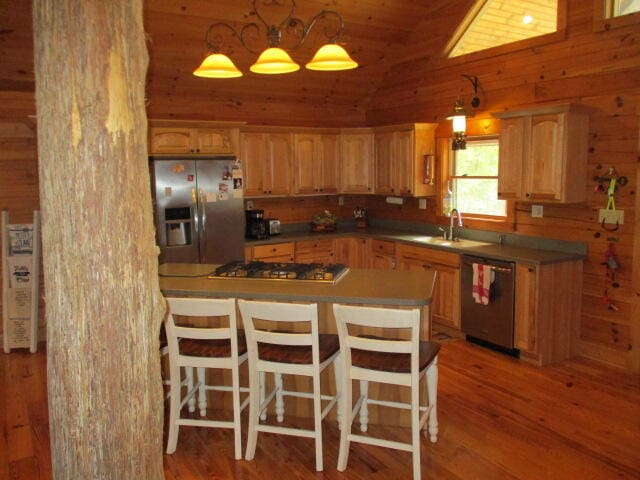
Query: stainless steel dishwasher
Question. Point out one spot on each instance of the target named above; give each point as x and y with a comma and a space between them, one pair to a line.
491, 323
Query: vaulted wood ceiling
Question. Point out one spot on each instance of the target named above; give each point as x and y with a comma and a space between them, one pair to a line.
378, 34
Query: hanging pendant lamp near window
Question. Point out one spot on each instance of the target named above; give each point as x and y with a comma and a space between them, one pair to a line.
459, 116
275, 60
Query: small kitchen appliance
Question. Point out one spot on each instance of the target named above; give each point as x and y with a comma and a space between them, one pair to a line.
273, 225
256, 224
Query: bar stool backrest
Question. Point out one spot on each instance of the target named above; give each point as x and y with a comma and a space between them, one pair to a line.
279, 312
201, 307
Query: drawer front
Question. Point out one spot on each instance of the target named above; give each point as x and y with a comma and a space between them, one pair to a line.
275, 250
314, 246
429, 255
384, 247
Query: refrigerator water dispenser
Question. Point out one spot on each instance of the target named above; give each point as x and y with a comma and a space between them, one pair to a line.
178, 225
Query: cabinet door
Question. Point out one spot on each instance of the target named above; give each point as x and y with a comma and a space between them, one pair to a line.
305, 164
278, 175
525, 308
545, 164
445, 305
403, 164
214, 141
328, 153
253, 155
382, 262
356, 162
172, 140
384, 171
511, 157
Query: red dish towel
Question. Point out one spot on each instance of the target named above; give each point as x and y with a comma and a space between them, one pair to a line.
483, 277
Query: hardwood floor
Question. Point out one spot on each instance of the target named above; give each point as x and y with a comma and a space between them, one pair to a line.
498, 418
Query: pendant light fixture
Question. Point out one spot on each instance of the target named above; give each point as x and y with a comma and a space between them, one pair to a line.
459, 116
275, 60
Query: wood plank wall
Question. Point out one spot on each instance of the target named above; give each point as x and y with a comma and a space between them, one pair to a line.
597, 68
19, 166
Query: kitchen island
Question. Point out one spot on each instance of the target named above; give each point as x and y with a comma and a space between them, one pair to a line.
385, 288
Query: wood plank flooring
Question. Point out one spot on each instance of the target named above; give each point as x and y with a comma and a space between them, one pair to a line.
499, 419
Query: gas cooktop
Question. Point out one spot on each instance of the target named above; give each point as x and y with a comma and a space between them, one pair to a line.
313, 272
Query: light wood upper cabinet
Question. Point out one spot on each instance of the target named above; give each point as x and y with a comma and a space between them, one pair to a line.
315, 163
266, 161
178, 140
356, 162
543, 154
400, 163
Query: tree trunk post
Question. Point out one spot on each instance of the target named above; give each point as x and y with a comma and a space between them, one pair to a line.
103, 303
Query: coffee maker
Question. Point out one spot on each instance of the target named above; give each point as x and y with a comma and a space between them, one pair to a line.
256, 226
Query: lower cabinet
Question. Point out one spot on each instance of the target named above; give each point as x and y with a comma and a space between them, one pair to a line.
352, 251
445, 304
383, 255
315, 251
275, 252
547, 311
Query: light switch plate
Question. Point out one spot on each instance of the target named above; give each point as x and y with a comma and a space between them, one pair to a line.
422, 204
341, 201
249, 204
536, 211
611, 216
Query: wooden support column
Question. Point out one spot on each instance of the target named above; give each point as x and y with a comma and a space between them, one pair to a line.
103, 303
634, 350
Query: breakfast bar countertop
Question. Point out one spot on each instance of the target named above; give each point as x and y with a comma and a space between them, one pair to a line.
371, 287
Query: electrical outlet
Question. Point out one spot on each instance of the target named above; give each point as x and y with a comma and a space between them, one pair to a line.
422, 204
536, 211
341, 201
249, 204
611, 216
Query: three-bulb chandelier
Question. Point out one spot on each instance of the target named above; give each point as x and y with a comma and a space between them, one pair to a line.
275, 60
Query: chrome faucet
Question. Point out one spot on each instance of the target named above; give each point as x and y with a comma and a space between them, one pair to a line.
451, 215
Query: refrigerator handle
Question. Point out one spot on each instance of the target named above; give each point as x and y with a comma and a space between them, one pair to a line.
204, 210
194, 201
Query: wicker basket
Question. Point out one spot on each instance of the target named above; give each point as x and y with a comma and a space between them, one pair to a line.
323, 227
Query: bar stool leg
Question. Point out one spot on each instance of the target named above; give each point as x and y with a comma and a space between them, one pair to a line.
263, 415
254, 413
337, 373
237, 434
432, 394
317, 419
415, 426
202, 392
347, 419
279, 397
192, 400
174, 407
364, 409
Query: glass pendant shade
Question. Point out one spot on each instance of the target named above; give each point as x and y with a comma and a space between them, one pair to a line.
273, 61
217, 65
459, 123
331, 57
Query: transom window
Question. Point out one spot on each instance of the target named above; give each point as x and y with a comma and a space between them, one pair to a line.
618, 8
474, 178
491, 23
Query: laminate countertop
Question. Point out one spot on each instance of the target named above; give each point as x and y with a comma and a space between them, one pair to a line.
510, 253
370, 286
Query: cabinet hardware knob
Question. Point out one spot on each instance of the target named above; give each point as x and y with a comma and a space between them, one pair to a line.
499, 194
531, 270
528, 194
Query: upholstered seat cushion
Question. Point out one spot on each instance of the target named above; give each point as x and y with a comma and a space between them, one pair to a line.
328, 345
211, 348
393, 362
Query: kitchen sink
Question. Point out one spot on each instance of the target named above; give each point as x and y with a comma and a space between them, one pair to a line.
441, 242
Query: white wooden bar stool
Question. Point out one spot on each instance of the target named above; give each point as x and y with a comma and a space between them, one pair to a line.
307, 354
188, 371
386, 360
201, 348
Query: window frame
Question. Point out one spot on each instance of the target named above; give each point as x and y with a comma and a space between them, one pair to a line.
451, 177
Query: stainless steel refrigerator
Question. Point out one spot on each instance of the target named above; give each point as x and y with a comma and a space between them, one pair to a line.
198, 209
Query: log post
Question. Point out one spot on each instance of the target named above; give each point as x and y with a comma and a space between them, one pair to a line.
103, 303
